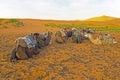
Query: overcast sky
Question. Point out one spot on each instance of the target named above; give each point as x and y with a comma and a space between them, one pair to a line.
58, 9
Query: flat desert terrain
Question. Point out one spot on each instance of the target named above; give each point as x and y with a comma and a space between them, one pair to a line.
68, 61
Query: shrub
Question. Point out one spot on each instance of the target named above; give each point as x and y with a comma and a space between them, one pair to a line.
5, 26
16, 23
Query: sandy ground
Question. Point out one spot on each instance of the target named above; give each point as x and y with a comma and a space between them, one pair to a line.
68, 61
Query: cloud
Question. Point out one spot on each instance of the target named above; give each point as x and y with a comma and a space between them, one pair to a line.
58, 9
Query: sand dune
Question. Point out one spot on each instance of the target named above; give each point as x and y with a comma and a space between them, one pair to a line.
101, 18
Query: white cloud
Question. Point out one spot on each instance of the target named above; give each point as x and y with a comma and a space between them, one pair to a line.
58, 9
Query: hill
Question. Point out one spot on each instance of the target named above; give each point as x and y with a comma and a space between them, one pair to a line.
101, 18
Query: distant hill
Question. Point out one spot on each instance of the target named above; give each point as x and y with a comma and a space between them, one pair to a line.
101, 18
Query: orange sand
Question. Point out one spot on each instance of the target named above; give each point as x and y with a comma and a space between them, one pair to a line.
68, 61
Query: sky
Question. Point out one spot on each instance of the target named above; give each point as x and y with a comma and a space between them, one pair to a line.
59, 9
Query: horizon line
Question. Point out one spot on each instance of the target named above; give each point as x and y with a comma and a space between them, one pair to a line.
54, 19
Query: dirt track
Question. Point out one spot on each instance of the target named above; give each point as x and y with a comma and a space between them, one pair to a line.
68, 61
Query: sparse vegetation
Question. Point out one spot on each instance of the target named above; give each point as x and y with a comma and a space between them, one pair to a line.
99, 28
16, 23
64, 25
10, 22
108, 29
